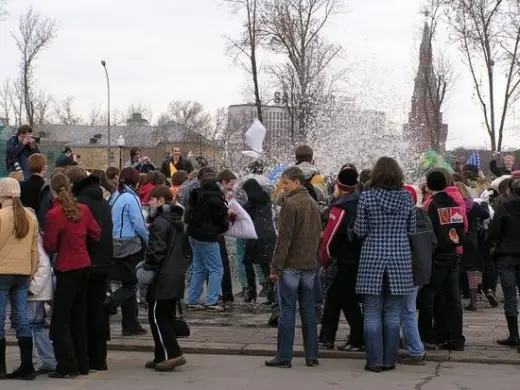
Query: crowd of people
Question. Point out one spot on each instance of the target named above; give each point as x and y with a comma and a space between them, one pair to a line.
365, 244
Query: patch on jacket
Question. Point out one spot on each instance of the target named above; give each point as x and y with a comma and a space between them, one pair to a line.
454, 237
449, 215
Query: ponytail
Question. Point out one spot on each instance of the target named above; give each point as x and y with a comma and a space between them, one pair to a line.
21, 221
60, 184
70, 206
121, 186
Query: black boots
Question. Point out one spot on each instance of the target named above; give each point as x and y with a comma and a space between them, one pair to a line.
26, 369
473, 294
3, 371
514, 339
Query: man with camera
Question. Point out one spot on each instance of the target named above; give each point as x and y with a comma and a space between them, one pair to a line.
18, 149
67, 158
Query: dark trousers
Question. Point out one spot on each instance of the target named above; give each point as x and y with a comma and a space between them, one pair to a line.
126, 297
251, 279
68, 322
98, 325
444, 281
161, 315
489, 274
342, 297
227, 283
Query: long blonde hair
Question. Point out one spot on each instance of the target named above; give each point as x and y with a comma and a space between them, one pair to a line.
60, 184
21, 221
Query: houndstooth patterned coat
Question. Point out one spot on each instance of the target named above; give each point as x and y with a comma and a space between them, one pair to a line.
385, 218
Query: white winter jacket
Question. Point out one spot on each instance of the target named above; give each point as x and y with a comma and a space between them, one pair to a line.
42, 286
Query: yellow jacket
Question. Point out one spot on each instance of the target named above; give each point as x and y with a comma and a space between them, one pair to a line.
17, 256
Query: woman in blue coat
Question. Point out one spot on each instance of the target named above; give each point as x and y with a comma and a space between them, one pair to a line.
385, 219
130, 236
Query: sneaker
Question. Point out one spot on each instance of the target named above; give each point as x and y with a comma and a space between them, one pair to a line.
491, 297
216, 307
59, 375
412, 360
351, 348
196, 307
150, 365
278, 363
509, 342
242, 294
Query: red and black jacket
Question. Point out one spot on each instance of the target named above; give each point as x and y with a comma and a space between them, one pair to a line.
337, 242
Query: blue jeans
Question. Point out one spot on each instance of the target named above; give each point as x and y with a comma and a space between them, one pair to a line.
295, 287
382, 321
206, 260
15, 289
318, 296
42, 342
411, 338
509, 274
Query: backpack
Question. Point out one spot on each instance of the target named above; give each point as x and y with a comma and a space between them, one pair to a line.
422, 244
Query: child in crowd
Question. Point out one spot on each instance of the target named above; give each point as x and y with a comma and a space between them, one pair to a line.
178, 179
166, 258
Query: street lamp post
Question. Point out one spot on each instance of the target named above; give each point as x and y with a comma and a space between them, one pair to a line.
121, 144
104, 64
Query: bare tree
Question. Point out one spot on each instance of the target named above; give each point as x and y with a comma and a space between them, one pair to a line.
190, 115
249, 43
42, 109
6, 91
65, 112
145, 111
488, 34
3, 11
33, 35
293, 29
17, 101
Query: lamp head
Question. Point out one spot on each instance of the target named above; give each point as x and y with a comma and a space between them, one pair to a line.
103, 62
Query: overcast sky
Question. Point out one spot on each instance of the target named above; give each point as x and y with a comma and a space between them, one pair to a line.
163, 50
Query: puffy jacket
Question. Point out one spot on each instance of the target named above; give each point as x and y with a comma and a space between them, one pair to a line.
42, 286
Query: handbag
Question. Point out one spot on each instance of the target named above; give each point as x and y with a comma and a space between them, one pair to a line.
180, 325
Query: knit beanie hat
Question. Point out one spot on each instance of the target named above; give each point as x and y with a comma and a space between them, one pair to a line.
412, 192
9, 188
437, 180
347, 179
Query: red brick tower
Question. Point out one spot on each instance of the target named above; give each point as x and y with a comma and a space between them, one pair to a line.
425, 128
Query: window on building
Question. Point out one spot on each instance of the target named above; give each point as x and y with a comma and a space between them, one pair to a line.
112, 156
50, 156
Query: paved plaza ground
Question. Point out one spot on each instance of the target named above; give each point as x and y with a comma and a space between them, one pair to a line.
210, 372
243, 330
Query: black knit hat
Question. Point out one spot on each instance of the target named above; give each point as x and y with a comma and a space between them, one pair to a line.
436, 181
347, 179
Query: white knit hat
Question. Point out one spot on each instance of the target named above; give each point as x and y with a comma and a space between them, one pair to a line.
9, 188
